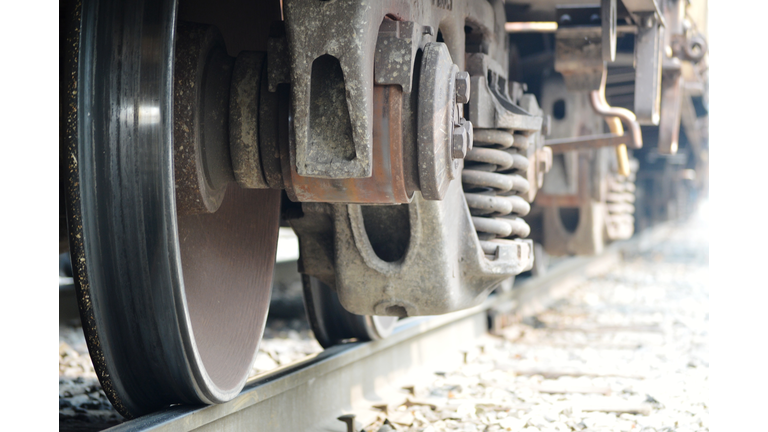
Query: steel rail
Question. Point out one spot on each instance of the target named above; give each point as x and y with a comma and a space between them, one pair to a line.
311, 394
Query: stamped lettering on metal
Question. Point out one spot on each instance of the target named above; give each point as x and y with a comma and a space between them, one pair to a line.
443, 4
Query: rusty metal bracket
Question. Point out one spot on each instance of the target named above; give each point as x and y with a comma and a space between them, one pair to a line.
680, 45
579, 50
441, 264
329, 105
671, 110
387, 184
330, 45
579, 57
434, 152
585, 39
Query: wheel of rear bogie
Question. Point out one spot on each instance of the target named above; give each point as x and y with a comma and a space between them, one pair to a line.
173, 301
332, 324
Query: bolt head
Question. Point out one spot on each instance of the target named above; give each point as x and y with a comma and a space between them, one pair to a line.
565, 19
462, 87
459, 142
546, 125
649, 21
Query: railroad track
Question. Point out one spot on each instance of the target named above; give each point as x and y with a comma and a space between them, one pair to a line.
322, 391
189, 136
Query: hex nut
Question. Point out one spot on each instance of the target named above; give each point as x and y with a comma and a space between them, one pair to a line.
462, 87
546, 125
459, 142
649, 21
470, 132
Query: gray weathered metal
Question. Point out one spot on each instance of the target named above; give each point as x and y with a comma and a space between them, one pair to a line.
441, 264
444, 268
608, 22
571, 204
332, 114
506, 167
248, 71
680, 45
396, 47
671, 112
329, 48
636, 7
202, 73
579, 57
490, 106
460, 141
562, 145
462, 87
648, 58
269, 130
387, 184
539, 155
435, 120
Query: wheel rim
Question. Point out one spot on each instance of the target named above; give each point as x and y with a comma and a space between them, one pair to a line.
173, 307
332, 324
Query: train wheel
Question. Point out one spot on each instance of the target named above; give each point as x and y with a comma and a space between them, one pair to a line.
173, 303
332, 324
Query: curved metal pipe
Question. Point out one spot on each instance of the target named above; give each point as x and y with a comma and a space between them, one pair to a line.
614, 125
599, 104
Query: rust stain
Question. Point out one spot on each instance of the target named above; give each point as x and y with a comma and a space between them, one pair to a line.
387, 182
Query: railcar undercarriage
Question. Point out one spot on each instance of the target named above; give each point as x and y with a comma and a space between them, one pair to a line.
397, 138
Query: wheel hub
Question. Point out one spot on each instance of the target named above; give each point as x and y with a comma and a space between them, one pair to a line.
173, 269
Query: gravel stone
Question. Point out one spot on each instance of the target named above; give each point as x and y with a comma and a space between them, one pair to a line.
625, 351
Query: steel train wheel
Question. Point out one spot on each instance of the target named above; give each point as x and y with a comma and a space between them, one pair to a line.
332, 324
173, 306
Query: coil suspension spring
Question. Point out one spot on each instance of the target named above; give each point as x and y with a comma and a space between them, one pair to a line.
620, 199
494, 178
